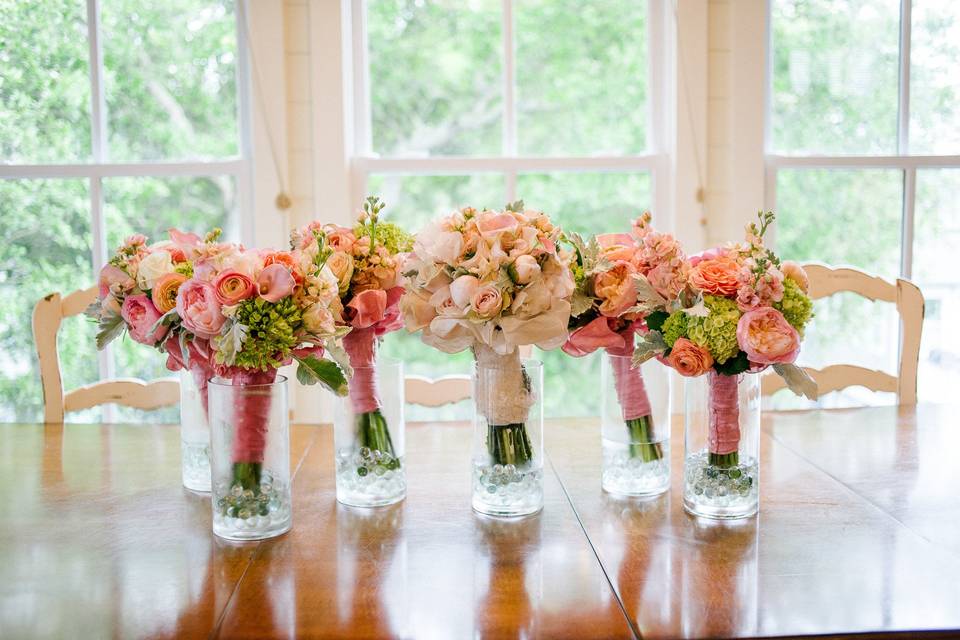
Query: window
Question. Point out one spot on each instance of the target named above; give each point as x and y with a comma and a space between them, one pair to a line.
863, 166
487, 101
115, 116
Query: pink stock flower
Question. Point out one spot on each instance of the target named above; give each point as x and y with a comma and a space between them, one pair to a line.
368, 308
766, 337
199, 309
275, 283
689, 359
232, 286
140, 315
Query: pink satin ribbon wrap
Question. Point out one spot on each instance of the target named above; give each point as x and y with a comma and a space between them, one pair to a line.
197, 361
723, 405
634, 402
252, 414
360, 345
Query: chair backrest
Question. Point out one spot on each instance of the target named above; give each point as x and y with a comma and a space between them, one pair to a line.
826, 281
48, 314
436, 392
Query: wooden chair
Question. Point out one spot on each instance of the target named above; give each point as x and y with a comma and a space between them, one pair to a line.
436, 392
826, 281
48, 314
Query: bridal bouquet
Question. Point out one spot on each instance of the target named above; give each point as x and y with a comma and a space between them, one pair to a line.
491, 281
365, 261
609, 271
741, 311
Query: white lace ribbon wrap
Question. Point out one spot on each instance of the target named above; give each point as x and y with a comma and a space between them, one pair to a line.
501, 393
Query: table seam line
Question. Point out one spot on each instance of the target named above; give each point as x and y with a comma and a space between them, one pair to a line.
616, 594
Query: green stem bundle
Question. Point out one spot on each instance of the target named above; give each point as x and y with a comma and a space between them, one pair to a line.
373, 433
641, 435
509, 444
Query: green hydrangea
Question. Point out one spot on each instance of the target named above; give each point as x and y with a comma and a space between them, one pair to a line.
184, 268
674, 327
795, 306
718, 330
395, 239
271, 332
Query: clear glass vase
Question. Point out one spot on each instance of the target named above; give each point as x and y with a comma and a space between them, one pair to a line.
250, 461
508, 435
194, 435
635, 427
722, 435
368, 434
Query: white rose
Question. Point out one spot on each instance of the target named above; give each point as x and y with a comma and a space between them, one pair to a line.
318, 320
152, 268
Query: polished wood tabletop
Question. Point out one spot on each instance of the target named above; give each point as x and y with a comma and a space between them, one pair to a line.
858, 532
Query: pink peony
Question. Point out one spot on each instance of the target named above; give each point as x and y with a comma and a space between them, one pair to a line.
615, 289
114, 280
368, 308
689, 359
766, 337
140, 315
275, 283
199, 309
232, 286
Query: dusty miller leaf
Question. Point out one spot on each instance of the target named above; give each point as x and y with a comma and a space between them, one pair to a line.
798, 380
313, 370
230, 342
648, 298
110, 328
338, 354
580, 303
698, 310
651, 345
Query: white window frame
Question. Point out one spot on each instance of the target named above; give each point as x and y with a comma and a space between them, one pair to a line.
240, 167
364, 162
908, 164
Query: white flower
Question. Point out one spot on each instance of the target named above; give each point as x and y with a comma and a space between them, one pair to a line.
152, 268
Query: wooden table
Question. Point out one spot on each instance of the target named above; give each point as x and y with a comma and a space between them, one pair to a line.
859, 531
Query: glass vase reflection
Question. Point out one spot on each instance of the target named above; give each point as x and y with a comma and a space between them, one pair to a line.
194, 435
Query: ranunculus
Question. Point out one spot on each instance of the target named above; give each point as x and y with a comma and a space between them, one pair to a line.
341, 265
233, 286
275, 283
164, 293
114, 280
487, 301
369, 307
524, 269
615, 289
793, 271
198, 308
318, 320
717, 276
492, 224
689, 359
462, 290
153, 267
767, 338
140, 315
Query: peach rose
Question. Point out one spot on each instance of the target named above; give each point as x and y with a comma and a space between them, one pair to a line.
140, 315
767, 338
462, 290
340, 238
717, 276
793, 271
689, 359
616, 289
487, 301
231, 287
198, 308
524, 269
164, 293
341, 265
617, 246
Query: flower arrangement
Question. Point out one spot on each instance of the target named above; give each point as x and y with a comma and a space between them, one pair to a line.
604, 313
365, 262
742, 310
491, 281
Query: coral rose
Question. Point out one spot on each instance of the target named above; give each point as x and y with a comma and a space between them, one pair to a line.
766, 337
199, 309
286, 259
140, 315
716, 276
231, 287
689, 359
164, 293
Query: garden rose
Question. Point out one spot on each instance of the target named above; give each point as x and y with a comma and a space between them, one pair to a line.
164, 293
793, 271
462, 290
114, 280
767, 338
232, 286
198, 308
717, 276
153, 267
525, 269
341, 265
689, 359
493, 225
487, 301
140, 315
275, 283
368, 307
286, 259
617, 246
615, 289
340, 238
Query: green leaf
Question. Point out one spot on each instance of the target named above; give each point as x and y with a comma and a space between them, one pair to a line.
166, 319
733, 366
656, 319
110, 328
516, 206
798, 380
580, 303
312, 370
651, 345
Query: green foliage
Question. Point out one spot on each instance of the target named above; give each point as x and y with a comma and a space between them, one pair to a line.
795, 306
656, 319
733, 366
718, 330
312, 370
674, 327
270, 332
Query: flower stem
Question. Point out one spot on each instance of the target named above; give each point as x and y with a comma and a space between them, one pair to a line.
641, 431
509, 444
373, 433
247, 475
725, 460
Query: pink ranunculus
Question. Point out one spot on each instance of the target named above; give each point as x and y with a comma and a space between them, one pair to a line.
492, 224
275, 283
140, 315
487, 301
369, 307
462, 290
689, 359
199, 309
590, 337
615, 289
233, 286
114, 280
766, 337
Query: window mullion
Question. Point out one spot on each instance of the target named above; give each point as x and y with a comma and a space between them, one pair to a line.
906, 231
98, 106
903, 99
509, 84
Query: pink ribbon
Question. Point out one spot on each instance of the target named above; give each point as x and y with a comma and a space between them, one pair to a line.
634, 401
360, 345
723, 405
252, 414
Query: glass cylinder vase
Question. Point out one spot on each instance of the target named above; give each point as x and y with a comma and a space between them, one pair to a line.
722, 435
250, 459
194, 435
369, 437
508, 435
635, 427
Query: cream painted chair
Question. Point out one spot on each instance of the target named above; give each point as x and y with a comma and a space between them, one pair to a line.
436, 392
48, 314
826, 281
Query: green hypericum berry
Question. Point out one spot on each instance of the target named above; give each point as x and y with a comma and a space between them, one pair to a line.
271, 332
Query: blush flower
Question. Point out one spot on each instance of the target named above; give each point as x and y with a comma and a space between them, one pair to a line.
615, 289
164, 293
199, 309
233, 286
487, 301
716, 276
275, 283
689, 359
767, 338
140, 315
